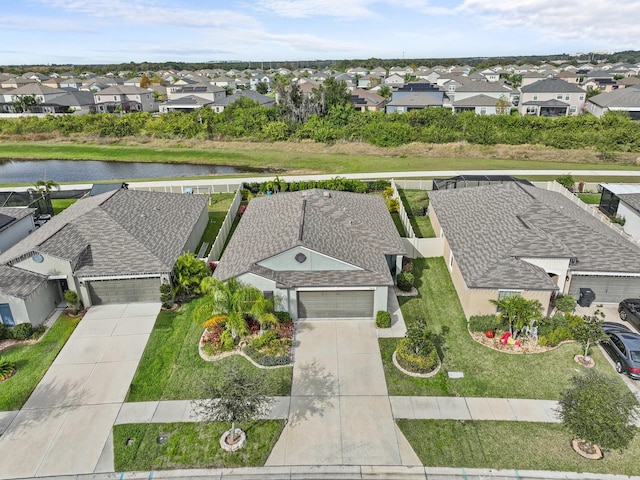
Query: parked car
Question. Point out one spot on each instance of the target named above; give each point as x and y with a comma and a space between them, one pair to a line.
623, 346
629, 310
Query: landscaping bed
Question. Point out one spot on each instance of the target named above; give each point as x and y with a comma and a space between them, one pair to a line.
487, 373
190, 445
171, 367
32, 361
509, 445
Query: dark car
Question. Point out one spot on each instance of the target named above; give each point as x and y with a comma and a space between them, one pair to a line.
623, 347
629, 311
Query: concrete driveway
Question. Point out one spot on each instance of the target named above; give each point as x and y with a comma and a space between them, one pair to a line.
65, 426
340, 413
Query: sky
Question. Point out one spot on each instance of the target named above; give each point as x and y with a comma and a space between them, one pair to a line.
116, 31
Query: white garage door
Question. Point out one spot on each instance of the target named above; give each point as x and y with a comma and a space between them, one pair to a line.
607, 289
125, 291
336, 304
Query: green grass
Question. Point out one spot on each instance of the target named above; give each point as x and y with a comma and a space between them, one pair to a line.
282, 159
171, 368
398, 223
220, 203
590, 198
415, 201
191, 445
509, 445
32, 362
487, 372
61, 203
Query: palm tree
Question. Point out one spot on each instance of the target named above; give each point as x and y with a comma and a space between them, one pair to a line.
45, 186
234, 299
262, 310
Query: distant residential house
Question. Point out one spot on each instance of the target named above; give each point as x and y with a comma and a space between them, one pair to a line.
358, 71
349, 80
132, 82
569, 77
628, 82
379, 71
622, 200
621, 100
429, 75
532, 77
490, 75
125, 99
602, 84
368, 80
395, 80
402, 71
413, 101
420, 88
187, 103
224, 82
365, 100
551, 97
205, 91
482, 97
78, 102
219, 105
254, 81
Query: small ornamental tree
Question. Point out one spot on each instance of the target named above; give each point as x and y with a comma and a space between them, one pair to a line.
72, 299
239, 396
188, 274
566, 181
565, 303
598, 411
588, 330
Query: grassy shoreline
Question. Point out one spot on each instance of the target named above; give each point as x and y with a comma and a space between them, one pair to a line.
316, 158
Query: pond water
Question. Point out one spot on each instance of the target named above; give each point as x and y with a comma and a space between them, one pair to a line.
29, 171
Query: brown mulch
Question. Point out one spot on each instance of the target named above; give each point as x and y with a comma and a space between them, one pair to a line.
528, 347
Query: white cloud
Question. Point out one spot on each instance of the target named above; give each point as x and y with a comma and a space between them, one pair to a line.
350, 9
40, 24
592, 21
147, 12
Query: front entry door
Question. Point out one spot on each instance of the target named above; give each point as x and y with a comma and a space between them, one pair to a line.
5, 315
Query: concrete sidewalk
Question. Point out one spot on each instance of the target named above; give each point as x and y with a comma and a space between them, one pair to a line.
475, 408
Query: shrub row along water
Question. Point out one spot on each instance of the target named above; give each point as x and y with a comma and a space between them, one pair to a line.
245, 119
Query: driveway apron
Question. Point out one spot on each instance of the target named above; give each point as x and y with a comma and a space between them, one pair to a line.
65, 426
340, 413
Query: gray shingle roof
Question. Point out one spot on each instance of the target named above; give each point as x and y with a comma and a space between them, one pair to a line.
19, 283
490, 228
354, 228
480, 86
621, 98
551, 85
416, 100
121, 232
631, 199
476, 101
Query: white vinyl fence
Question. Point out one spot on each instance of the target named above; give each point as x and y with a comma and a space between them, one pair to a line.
223, 233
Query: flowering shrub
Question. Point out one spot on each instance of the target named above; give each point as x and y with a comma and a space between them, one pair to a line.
284, 329
216, 320
253, 324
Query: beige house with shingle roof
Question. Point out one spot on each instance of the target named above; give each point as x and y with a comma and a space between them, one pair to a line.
510, 238
116, 247
327, 254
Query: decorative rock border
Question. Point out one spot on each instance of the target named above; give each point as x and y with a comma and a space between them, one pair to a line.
228, 447
401, 293
596, 455
413, 374
580, 360
220, 356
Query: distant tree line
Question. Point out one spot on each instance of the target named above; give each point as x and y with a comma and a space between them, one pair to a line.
329, 118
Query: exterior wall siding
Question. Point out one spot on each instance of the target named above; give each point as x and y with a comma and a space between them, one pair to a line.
632, 221
198, 230
16, 232
314, 262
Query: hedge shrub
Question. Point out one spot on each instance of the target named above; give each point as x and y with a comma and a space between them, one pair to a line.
413, 362
383, 319
4, 332
482, 323
22, 331
405, 281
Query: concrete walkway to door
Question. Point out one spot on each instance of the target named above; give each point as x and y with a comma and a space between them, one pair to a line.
340, 412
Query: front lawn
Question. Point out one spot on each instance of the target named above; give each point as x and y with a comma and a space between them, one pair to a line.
190, 445
415, 202
487, 373
32, 362
509, 445
171, 368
